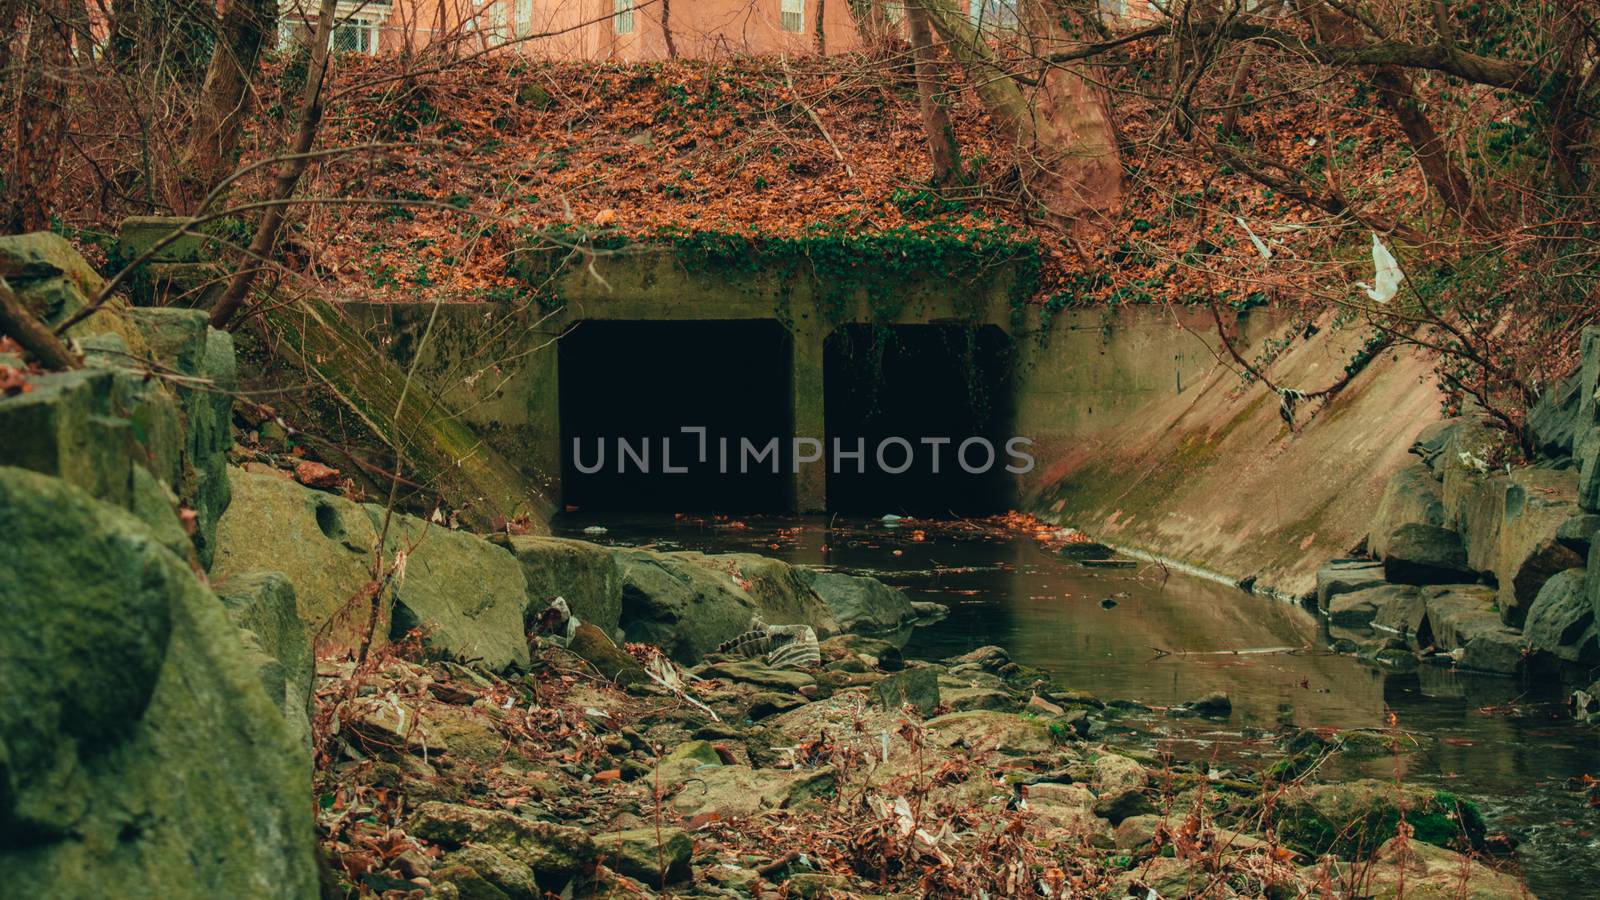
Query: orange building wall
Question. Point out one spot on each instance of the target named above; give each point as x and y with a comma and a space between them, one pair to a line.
584, 29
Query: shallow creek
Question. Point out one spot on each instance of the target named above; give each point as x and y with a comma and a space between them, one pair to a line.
1165, 638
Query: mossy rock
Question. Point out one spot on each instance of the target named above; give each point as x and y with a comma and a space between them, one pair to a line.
1354, 818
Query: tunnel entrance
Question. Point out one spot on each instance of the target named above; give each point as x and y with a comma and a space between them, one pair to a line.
627, 390
887, 387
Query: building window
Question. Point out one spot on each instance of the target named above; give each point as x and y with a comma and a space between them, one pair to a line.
792, 15
354, 36
497, 22
622, 16
524, 18
994, 14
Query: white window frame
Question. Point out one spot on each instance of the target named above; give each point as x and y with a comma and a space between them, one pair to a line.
498, 27
365, 29
524, 22
792, 12
622, 16
994, 15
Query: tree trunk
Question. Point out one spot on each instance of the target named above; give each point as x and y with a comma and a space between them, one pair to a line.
943, 151
995, 86
821, 36
225, 97
666, 29
40, 117
287, 178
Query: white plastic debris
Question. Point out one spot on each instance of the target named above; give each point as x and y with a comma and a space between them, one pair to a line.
595, 529
1261, 248
1386, 275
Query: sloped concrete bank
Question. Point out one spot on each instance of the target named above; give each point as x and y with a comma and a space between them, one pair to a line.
1195, 465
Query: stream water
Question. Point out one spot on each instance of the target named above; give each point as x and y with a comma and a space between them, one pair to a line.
1164, 639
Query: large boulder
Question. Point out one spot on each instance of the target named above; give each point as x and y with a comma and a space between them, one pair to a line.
140, 750
1355, 609
323, 543
1463, 618
859, 603
1412, 495
262, 604
1553, 422
689, 603
586, 575
1561, 622
468, 595
1351, 819
1539, 501
1425, 554
1587, 453
554, 852
1421, 871
1340, 576
94, 427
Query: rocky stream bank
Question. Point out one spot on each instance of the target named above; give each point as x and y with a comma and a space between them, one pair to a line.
221, 681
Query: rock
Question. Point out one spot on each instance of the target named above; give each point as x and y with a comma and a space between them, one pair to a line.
1352, 818
1578, 532
1425, 554
1137, 831
1087, 550
816, 884
263, 603
1119, 785
980, 730
140, 748
1342, 576
1588, 457
755, 673
467, 594
1039, 706
987, 658
1355, 609
1553, 424
1561, 621
875, 652
1403, 612
1413, 495
655, 858
556, 852
1116, 807
1114, 773
1068, 806
585, 574
739, 790
1215, 705
772, 703
927, 611
1537, 503
689, 603
1420, 871
917, 688
612, 662
1434, 440
493, 868
977, 690
323, 543
858, 603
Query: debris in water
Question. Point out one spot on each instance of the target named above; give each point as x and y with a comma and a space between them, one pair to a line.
595, 529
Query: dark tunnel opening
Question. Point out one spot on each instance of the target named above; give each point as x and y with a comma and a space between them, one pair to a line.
627, 390
887, 387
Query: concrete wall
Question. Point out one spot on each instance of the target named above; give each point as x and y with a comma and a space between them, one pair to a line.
1143, 435
496, 363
